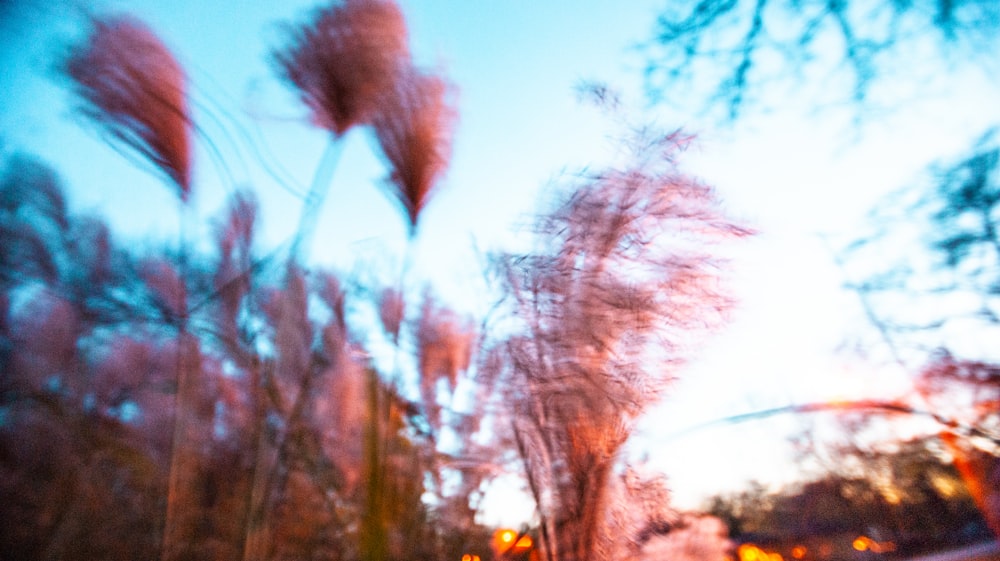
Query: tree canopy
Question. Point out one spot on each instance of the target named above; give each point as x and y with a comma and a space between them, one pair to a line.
732, 55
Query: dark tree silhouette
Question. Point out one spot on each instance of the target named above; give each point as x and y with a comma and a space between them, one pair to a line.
733, 51
940, 286
943, 276
908, 495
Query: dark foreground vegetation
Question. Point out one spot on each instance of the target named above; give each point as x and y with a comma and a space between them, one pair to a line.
898, 503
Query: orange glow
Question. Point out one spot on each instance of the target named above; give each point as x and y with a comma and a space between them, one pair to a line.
892, 496
799, 552
864, 543
506, 540
750, 552
466, 557
861, 543
523, 544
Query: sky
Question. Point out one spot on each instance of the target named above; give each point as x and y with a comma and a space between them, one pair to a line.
791, 174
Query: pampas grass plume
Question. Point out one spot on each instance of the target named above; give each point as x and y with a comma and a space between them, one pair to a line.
133, 89
414, 130
343, 58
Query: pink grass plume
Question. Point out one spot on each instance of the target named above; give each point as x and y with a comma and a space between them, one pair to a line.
414, 130
134, 90
343, 58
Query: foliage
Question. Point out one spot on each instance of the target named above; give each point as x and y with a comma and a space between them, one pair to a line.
214, 402
694, 538
275, 464
291, 443
941, 285
601, 315
944, 236
350, 64
738, 49
231, 384
909, 496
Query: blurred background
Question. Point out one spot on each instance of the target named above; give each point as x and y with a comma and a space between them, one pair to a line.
244, 272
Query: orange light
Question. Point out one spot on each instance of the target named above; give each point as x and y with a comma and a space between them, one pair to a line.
524, 543
503, 541
750, 552
799, 552
861, 543
466, 557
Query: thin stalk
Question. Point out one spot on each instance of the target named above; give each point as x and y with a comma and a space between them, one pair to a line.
547, 540
175, 479
314, 200
265, 477
255, 497
373, 531
278, 474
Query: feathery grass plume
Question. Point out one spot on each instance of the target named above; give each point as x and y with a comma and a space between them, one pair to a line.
233, 273
624, 284
343, 58
390, 311
133, 89
414, 127
131, 86
444, 349
330, 291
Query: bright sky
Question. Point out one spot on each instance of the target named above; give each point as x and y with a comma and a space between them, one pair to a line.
515, 63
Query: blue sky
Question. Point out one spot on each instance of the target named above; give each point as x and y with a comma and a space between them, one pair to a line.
791, 174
